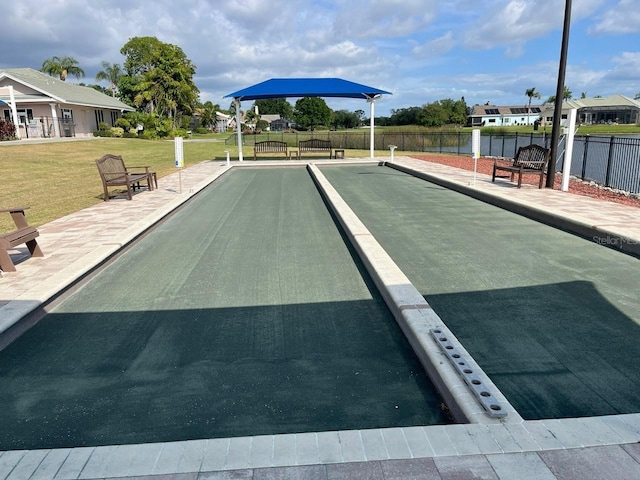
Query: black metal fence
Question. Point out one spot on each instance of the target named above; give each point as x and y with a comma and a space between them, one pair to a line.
610, 161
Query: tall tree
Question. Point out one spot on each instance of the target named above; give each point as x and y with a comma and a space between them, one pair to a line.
345, 119
406, 116
110, 73
62, 66
531, 93
159, 78
311, 111
275, 106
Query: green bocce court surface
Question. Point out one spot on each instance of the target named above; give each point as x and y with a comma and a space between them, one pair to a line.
553, 319
245, 313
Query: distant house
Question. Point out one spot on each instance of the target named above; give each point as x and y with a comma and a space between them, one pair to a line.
223, 122
270, 118
45, 106
497, 116
613, 109
280, 124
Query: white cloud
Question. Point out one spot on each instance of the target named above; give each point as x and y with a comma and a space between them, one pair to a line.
435, 47
422, 50
383, 18
622, 18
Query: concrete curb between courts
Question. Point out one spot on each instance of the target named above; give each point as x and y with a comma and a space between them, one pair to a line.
415, 317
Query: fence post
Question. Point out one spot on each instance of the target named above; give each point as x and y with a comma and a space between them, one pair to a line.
584, 156
611, 143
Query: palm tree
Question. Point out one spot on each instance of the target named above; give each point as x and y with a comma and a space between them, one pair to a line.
567, 95
62, 66
207, 114
531, 93
112, 74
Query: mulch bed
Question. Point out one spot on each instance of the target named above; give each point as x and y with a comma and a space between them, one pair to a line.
578, 187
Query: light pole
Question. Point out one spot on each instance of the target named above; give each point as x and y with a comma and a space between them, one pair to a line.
557, 110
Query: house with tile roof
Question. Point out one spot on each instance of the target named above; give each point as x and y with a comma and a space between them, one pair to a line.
42, 106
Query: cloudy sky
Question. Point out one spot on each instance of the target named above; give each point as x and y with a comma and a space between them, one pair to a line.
420, 50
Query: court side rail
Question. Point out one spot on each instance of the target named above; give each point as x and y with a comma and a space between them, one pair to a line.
422, 326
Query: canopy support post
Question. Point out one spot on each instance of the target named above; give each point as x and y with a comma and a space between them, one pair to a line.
14, 110
371, 101
236, 101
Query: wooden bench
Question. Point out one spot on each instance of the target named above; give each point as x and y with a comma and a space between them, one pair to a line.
532, 159
270, 146
315, 145
23, 235
114, 173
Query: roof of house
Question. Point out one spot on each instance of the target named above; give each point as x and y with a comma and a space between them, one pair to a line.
54, 89
599, 102
269, 117
488, 110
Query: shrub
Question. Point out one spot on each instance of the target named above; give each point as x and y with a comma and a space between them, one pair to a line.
178, 132
116, 132
123, 123
103, 127
149, 134
7, 130
202, 130
102, 133
131, 134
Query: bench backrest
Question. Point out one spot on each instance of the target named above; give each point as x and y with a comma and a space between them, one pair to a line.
111, 167
533, 157
314, 144
270, 145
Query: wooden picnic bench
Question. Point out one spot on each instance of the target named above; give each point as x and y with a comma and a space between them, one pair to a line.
24, 234
114, 173
315, 145
532, 159
270, 146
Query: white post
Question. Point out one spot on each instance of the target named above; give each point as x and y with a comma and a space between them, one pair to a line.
392, 148
568, 151
239, 129
14, 110
475, 149
179, 159
54, 119
371, 126
228, 162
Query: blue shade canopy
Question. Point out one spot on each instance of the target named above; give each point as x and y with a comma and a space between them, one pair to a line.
306, 87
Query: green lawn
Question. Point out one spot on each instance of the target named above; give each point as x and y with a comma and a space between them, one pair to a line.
59, 178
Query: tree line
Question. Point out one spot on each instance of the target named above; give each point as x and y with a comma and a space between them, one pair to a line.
156, 79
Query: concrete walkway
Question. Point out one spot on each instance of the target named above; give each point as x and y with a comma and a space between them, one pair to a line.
599, 447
